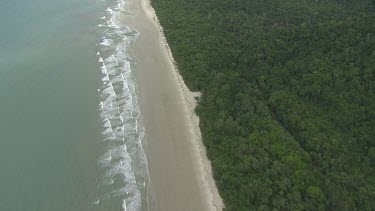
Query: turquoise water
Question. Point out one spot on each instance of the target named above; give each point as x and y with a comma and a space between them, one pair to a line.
54, 141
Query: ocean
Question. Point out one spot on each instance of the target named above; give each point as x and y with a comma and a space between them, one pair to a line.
70, 126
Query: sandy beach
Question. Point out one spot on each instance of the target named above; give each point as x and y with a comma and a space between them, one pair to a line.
181, 177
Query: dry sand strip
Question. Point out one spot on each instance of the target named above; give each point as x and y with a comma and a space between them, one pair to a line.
181, 177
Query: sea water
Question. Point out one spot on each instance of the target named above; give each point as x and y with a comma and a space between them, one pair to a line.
70, 126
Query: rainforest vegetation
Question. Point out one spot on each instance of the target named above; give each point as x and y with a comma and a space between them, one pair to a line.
287, 111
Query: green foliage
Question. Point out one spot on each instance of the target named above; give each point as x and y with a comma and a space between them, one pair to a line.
288, 106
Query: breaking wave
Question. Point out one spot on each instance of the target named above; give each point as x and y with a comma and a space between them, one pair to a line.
123, 160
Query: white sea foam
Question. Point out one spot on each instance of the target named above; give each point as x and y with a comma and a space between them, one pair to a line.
109, 10
112, 24
105, 42
124, 161
124, 205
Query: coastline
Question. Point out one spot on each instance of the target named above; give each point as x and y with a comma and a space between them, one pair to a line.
181, 175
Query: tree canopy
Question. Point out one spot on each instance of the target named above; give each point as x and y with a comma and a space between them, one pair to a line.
288, 107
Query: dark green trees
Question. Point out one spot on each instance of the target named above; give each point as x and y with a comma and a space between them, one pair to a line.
288, 105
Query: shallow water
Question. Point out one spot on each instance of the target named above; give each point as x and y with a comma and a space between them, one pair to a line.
70, 126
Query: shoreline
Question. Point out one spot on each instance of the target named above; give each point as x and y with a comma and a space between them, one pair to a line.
183, 102
190, 104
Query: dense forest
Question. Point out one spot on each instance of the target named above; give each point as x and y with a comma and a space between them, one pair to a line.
288, 105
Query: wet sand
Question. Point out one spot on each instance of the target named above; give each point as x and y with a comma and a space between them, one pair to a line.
181, 177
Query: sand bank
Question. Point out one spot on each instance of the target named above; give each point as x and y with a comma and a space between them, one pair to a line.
181, 177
